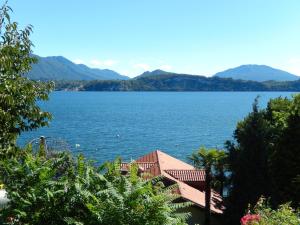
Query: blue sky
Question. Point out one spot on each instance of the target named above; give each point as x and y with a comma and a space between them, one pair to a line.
189, 36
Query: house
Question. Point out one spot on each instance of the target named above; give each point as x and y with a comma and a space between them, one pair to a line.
190, 181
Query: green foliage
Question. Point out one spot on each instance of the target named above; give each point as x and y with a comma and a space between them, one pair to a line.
213, 162
177, 82
166, 82
265, 158
283, 215
61, 190
285, 158
248, 163
204, 158
18, 95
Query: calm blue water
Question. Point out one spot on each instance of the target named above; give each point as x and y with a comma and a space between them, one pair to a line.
129, 124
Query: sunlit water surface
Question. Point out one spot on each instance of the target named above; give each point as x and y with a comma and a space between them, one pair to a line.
104, 125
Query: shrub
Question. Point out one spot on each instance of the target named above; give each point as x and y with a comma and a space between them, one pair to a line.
62, 190
264, 215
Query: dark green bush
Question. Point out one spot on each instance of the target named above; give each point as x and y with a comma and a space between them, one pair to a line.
61, 190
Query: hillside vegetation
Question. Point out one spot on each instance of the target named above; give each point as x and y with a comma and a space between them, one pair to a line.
178, 82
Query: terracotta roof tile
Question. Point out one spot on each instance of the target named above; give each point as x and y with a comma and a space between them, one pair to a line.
198, 197
188, 175
167, 162
159, 163
154, 170
151, 157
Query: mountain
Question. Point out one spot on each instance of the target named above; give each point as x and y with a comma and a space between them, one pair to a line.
153, 73
257, 73
60, 68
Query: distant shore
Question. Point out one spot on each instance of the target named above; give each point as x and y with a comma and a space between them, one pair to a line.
177, 82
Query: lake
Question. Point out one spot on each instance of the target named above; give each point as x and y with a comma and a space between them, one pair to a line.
104, 125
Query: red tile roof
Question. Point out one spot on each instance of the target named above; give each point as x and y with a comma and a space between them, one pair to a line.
159, 163
187, 175
151, 157
198, 197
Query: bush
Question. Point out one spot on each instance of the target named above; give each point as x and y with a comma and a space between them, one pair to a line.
264, 215
61, 190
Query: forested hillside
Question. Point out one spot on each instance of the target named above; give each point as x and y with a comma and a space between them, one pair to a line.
178, 82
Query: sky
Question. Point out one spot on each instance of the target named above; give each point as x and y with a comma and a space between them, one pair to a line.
198, 37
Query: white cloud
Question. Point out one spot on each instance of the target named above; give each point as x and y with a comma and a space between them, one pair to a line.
292, 65
143, 66
103, 63
294, 60
96, 62
78, 61
165, 67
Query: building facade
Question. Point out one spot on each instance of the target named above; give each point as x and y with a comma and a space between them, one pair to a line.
190, 182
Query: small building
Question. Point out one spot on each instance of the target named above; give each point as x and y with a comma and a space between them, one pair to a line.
190, 181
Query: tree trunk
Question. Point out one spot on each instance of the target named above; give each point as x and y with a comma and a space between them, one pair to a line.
222, 189
207, 195
222, 180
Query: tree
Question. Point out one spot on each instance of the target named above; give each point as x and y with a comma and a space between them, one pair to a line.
209, 160
248, 163
264, 160
18, 95
221, 167
285, 157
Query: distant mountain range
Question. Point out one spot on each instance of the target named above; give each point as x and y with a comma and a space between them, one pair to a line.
257, 73
60, 68
159, 80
